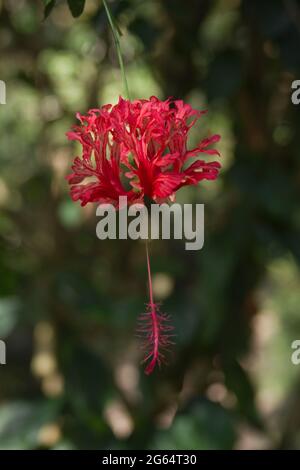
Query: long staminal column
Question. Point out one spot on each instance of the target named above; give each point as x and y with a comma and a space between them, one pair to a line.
154, 328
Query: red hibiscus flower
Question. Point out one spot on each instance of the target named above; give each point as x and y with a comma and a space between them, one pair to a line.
139, 149
143, 142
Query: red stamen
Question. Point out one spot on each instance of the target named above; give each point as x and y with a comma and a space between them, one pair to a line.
154, 328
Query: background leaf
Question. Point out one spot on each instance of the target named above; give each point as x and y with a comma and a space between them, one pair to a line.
76, 7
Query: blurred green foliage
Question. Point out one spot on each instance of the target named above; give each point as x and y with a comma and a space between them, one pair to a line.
69, 302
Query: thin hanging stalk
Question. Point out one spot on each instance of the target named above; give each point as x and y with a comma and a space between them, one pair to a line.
116, 37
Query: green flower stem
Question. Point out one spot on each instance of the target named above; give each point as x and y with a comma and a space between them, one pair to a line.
116, 37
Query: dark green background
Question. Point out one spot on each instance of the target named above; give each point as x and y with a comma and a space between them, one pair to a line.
69, 302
